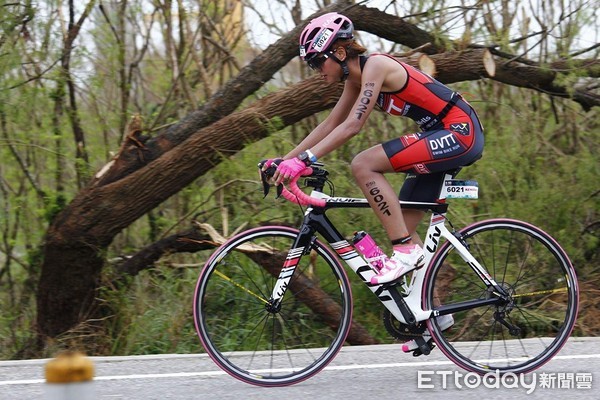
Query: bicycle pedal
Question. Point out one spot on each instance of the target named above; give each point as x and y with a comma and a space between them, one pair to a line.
424, 347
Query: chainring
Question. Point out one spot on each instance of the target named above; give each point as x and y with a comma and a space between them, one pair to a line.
401, 331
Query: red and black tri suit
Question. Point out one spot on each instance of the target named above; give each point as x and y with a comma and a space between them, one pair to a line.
451, 135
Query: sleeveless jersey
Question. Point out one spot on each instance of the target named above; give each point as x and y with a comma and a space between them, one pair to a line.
421, 99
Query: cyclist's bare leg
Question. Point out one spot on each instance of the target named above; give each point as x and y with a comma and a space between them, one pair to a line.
368, 168
412, 218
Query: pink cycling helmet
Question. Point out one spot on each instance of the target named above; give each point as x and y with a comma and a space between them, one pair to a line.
322, 31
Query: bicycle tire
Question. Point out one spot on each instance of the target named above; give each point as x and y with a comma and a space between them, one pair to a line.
530, 265
266, 347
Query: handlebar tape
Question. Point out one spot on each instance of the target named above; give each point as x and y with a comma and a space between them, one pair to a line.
296, 195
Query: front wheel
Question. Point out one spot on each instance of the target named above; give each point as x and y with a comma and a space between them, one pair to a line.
522, 333
254, 341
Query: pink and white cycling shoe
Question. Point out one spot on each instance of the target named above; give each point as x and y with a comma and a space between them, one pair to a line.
404, 260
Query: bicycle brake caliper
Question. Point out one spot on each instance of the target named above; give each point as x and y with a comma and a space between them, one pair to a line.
310, 246
461, 239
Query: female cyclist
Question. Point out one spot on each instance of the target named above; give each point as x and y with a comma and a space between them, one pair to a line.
450, 135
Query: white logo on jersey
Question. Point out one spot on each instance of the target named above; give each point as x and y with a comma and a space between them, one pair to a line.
443, 142
392, 106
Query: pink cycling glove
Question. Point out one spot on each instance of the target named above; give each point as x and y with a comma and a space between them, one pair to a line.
267, 163
289, 169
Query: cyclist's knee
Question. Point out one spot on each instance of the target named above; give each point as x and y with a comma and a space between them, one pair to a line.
370, 161
358, 164
362, 168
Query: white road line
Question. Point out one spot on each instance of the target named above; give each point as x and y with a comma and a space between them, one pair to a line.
329, 368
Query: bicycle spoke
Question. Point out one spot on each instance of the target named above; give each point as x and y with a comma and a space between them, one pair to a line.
228, 279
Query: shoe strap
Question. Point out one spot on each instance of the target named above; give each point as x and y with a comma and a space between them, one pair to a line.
382, 259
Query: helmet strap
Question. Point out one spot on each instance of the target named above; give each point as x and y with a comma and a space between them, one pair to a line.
343, 64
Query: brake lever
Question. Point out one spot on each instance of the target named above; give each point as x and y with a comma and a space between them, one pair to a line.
265, 184
268, 173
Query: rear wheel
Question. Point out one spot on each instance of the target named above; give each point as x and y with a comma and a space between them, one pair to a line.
531, 327
255, 341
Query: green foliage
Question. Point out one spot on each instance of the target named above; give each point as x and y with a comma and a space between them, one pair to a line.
54, 204
529, 175
274, 125
540, 163
148, 317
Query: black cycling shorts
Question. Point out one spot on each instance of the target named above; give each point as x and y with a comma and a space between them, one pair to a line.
424, 187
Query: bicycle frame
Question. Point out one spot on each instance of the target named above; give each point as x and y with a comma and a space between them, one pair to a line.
262, 335
407, 307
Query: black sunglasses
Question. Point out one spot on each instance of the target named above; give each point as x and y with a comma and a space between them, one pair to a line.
317, 62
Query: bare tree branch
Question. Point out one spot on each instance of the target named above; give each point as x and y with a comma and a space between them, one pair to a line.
266, 64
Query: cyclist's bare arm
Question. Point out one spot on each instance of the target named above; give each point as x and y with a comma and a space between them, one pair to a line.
370, 86
378, 73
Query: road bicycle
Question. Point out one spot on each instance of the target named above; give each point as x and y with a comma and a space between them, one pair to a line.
273, 304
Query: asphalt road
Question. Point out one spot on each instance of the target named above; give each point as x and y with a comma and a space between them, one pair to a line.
364, 372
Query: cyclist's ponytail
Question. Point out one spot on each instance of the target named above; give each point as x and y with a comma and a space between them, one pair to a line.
352, 47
